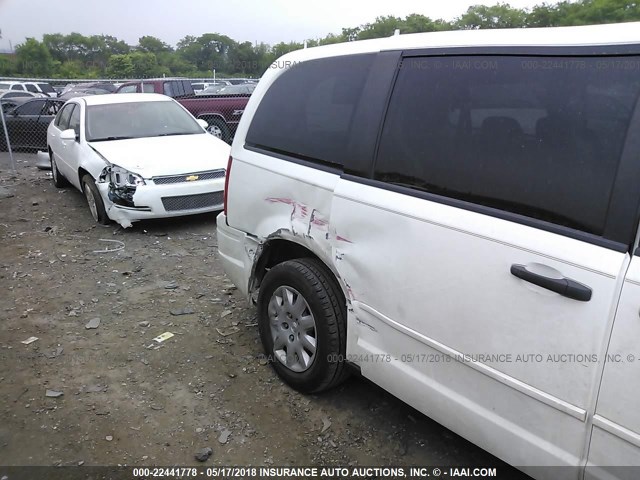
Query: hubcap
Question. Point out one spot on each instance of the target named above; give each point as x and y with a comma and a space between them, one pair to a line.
215, 130
293, 329
92, 202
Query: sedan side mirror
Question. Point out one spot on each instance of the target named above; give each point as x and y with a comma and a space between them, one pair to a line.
69, 134
203, 123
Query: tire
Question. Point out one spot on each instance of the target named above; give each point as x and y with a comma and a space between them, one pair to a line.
94, 200
218, 128
58, 179
301, 305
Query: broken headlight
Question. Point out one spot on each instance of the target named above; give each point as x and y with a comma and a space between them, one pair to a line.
122, 185
121, 178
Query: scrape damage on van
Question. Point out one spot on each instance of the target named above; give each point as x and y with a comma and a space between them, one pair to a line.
309, 227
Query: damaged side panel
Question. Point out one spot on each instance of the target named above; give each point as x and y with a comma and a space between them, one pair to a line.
291, 204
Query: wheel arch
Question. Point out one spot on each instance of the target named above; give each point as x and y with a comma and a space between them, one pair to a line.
212, 115
81, 173
276, 250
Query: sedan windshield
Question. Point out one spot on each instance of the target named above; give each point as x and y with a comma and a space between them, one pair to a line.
137, 120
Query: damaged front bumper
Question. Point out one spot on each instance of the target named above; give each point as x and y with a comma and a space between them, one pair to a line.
161, 201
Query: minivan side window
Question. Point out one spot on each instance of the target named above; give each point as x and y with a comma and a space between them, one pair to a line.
307, 112
536, 136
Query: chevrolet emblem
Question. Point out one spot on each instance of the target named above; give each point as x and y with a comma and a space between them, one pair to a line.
192, 178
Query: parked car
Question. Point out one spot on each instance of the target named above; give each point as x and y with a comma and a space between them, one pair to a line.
454, 215
12, 98
237, 81
211, 90
22, 87
41, 87
6, 94
137, 157
27, 122
199, 86
221, 113
241, 89
109, 87
172, 87
79, 91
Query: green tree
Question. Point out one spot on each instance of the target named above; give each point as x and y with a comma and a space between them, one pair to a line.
71, 69
382, 27
34, 58
7, 65
55, 42
350, 34
501, 15
144, 64
153, 45
419, 23
120, 66
208, 51
243, 59
280, 49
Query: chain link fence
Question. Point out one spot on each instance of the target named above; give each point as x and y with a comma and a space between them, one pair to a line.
23, 127
25, 116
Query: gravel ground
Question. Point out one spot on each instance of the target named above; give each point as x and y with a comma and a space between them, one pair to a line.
112, 395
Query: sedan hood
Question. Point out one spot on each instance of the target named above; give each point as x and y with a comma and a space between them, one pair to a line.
171, 155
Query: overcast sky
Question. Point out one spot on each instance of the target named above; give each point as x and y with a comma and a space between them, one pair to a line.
269, 21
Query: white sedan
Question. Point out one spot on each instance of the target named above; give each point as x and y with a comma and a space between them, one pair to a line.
137, 156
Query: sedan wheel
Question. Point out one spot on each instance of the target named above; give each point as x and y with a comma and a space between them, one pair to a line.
58, 180
91, 200
94, 200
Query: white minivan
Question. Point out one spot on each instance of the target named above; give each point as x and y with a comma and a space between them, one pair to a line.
455, 215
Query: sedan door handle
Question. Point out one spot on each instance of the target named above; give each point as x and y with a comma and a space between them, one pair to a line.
564, 286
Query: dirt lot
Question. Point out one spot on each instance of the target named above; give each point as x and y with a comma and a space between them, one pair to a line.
129, 400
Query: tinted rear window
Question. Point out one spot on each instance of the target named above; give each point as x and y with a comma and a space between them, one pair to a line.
540, 137
31, 108
46, 88
307, 112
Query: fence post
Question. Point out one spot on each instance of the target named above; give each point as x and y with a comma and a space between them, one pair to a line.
6, 137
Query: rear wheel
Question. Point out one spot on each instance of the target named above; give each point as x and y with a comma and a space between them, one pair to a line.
94, 200
302, 323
